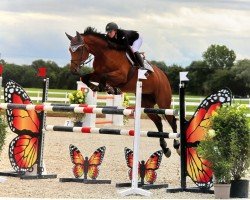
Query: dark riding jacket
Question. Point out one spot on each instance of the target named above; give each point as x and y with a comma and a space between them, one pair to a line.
123, 39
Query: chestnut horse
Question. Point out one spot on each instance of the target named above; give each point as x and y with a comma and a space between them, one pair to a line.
112, 67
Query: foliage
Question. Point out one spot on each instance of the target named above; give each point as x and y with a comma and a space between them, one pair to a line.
199, 74
125, 104
219, 57
226, 145
241, 77
220, 79
3, 132
161, 64
77, 97
173, 75
232, 127
212, 150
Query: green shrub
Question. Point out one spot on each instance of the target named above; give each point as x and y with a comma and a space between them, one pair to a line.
3, 132
233, 129
212, 150
227, 148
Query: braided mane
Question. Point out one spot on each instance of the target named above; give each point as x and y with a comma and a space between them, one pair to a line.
92, 31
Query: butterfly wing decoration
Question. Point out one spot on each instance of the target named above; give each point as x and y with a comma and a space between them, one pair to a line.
94, 162
82, 166
129, 160
152, 164
23, 149
198, 169
78, 161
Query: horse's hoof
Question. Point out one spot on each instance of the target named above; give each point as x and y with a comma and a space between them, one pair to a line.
109, 90
176, 144
94, 88
167, 152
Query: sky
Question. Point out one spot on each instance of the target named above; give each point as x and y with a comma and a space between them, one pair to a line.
173, 31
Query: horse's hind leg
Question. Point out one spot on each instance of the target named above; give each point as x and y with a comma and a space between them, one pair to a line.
148, 102
172, 122
157, 121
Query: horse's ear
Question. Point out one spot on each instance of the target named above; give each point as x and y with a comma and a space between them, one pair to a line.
70, 37
79, 38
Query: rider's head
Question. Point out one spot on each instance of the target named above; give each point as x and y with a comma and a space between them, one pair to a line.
111, 29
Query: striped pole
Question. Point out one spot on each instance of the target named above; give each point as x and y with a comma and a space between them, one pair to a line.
115, 111
94, 130
78, 105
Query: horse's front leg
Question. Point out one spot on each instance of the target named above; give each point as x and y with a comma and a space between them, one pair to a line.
87, 78
104, 87
101, 79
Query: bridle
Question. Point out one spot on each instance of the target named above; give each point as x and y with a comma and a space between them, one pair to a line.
84, 48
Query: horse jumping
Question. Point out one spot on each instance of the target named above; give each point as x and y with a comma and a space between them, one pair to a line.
112, 67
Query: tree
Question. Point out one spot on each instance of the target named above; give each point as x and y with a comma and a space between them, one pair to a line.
67, 80
53, 70
199, 74
219, 57
173, 75
161, 64
241, 74
220, 79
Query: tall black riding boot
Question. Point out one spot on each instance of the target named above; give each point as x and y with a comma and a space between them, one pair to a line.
132, 56
139, 60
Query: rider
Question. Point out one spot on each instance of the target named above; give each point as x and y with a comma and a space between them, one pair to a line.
128, 40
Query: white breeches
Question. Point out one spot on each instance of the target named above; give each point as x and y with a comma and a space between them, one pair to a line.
137, 44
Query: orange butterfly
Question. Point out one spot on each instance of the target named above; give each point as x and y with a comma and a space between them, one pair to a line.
24, 148
198, 169
145, 170
86, 166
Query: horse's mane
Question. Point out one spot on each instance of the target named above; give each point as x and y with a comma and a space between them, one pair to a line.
92, 31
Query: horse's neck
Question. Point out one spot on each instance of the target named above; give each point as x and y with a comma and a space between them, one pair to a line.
96, 45
105, 57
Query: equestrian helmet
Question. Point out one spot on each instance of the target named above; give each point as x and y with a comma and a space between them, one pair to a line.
111, 26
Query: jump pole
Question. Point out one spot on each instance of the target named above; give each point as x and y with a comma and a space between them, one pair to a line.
134, 186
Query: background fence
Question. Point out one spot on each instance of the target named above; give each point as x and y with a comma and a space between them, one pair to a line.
191, 103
